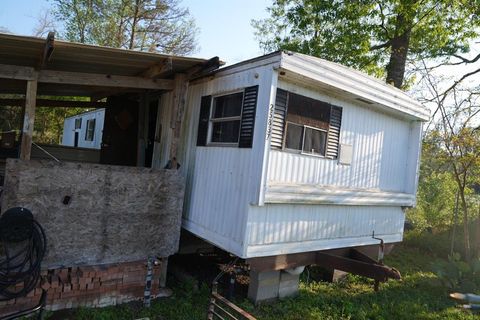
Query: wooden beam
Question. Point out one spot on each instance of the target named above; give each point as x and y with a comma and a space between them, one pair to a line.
16, 72
54, 103
28, 120
142, 129
47, 50
103, 80
178, 110
85, 79
158, 70
203, 69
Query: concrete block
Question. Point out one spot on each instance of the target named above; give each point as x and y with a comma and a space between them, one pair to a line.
263, 285
288, 286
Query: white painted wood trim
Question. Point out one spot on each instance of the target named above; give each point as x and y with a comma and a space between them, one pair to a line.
309, 194
316, 245
265, 115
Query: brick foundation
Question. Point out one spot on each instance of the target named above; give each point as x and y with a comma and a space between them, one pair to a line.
90, 286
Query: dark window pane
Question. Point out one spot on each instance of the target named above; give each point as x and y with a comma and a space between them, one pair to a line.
78, 123
228, 106
89, 133
315, 141
225, 131
308, 111
294, 137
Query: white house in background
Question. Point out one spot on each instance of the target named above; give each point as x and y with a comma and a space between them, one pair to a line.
287, 153
84, 130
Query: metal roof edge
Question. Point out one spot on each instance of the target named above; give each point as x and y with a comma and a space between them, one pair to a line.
354, 82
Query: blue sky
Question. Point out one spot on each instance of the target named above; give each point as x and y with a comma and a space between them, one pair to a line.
224, 25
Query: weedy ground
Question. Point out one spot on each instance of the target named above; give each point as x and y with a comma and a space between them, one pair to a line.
419, 295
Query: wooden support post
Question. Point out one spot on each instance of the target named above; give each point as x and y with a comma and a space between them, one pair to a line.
28, 119
143, 113
178, 110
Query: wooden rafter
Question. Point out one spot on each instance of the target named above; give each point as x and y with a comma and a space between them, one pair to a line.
159, 70
54, 103
87, 79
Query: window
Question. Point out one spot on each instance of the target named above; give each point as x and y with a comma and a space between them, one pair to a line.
226, 117
78, 123
90, 132
307, 125
229, 119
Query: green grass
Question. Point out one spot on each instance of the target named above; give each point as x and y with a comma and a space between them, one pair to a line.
419, 295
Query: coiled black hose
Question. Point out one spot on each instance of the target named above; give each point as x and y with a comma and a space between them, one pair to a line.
22, 248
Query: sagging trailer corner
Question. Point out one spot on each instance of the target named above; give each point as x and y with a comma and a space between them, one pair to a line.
280, 156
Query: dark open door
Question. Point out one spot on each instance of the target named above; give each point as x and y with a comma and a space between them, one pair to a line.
119, 142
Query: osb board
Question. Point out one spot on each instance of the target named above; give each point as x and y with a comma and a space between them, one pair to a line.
115, 214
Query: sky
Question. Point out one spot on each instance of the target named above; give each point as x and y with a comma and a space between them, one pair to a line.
225, 29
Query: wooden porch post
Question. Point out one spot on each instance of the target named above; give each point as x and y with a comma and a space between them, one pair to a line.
143, 112
28, 120
178, 106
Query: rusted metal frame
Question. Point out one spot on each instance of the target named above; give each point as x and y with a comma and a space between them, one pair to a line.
234, 307
213, 303
374, 271
228, 314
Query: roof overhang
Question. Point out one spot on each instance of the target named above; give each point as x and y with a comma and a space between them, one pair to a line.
66, 68
350, 84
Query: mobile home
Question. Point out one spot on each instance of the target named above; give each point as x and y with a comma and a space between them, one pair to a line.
277, 160
84, 130
287, 154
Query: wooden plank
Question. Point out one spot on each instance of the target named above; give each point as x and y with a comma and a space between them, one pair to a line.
54, 103
103, 80
178, 105
16, 72
159, 70
86, 79
28, 120
142, 128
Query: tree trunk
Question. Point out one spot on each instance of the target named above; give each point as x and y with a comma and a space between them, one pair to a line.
466, 231
399, 51
455, 222
134, 25
477, 235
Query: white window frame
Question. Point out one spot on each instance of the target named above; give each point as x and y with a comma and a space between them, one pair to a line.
216, 120
94, 120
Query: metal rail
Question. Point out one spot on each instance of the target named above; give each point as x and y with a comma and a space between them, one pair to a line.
223, 309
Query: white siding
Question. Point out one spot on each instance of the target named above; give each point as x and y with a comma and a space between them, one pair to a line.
380, 152
68, 138
281, 228
223, 181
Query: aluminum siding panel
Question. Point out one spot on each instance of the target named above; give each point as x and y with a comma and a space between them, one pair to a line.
223, 181
302, 228
380, 152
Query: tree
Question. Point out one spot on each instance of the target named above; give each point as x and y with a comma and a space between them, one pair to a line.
45, 24
456, 136
377, 36
147, 25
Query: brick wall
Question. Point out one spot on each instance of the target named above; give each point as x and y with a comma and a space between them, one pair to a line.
90, 286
